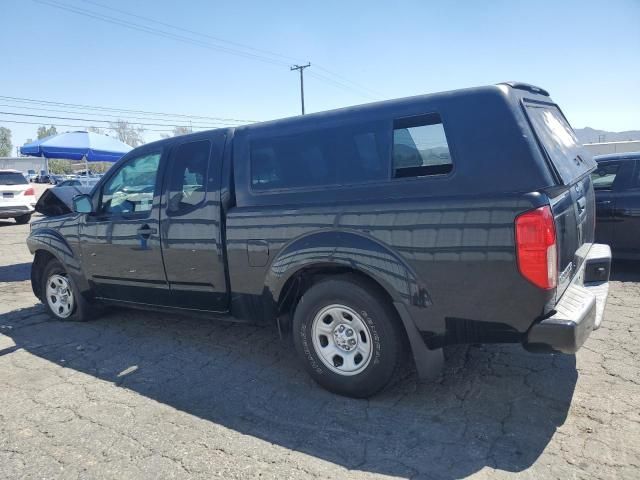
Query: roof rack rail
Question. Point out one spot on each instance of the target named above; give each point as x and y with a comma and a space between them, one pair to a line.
526, 86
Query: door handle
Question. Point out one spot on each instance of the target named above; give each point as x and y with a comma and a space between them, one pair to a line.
603, 202
146, 231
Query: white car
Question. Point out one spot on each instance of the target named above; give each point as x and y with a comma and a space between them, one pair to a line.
17, 196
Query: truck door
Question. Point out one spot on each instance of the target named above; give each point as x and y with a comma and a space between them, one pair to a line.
120, 242
190, 224
626, 230
608, 181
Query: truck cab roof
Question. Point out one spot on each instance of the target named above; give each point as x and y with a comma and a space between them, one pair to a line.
626, 156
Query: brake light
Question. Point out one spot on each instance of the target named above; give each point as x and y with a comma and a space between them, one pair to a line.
30, 191
536, 247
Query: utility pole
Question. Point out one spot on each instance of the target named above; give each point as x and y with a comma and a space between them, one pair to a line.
301, 68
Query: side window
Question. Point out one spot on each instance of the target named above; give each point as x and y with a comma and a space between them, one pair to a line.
188, 175
420, 147
344, 155
131, 190
604, 176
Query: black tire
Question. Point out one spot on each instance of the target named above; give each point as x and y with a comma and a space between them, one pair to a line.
82, 309
22, 219
388, 346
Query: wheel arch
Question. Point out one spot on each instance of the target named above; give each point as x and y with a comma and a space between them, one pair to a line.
331, 252
40, 259
306, 276
48, 244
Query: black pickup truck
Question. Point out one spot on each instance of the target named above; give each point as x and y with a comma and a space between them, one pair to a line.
367, 234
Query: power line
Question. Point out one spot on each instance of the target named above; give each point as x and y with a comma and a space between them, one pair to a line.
218, 39
73, 126
237, 44
339, 84
345, 79
113, 109
131, 119
190, 40
157, 32
101, 121
193, 32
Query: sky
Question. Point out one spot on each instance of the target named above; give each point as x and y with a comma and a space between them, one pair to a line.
235, 61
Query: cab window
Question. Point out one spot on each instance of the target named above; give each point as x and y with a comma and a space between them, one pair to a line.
131, 189
188, 177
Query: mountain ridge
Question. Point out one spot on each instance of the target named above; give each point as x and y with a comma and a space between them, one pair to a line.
592, 135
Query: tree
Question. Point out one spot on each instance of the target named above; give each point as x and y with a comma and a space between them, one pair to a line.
60, 166
100, 167
6, 146
127, 133
46, 132
177, 131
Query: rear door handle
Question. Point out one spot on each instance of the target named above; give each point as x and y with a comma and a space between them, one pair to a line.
603, 202
146, 231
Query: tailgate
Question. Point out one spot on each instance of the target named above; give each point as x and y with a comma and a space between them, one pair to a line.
574, 214
573, 204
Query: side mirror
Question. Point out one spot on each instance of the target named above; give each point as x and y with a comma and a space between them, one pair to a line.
82, 204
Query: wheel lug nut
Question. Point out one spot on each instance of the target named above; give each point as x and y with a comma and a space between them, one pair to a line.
341, 329
349, 333
352, 341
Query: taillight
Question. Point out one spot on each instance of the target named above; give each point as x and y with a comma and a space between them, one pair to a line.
536, 247
30, 191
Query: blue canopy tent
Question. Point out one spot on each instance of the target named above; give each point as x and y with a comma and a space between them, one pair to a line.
87, 146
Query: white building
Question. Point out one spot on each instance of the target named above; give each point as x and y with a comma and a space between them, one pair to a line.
613, 147
23, 164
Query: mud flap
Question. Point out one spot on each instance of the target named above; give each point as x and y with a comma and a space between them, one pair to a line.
429, 363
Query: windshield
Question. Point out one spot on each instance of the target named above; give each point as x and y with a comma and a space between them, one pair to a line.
559, 141
11, 178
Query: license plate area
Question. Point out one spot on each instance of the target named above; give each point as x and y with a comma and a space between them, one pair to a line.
7, 194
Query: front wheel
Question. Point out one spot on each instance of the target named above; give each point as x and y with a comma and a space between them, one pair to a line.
349, 339
61, 297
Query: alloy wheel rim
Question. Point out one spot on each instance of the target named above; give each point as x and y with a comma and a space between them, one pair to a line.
342, 340
60, 295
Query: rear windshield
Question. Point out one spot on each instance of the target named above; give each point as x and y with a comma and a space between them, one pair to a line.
559, 141
11, 178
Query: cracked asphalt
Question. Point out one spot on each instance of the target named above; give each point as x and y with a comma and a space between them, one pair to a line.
146, 395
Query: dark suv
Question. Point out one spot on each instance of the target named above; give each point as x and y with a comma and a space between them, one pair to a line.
368, 233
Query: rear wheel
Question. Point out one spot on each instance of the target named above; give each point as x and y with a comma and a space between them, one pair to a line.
60, 295
348, 338
22, 219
